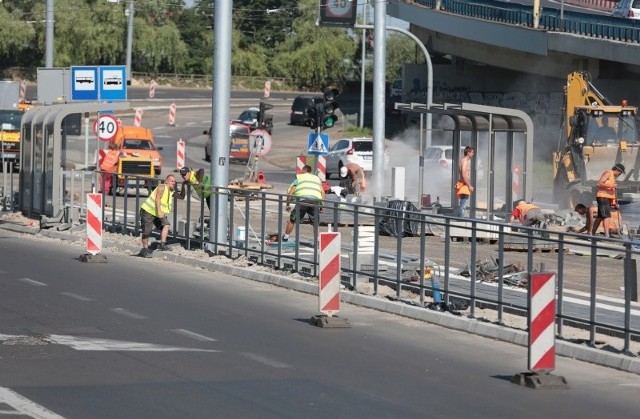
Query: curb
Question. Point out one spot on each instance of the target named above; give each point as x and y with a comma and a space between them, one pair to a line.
579, 352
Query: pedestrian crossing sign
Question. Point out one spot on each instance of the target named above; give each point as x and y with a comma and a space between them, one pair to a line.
318, 144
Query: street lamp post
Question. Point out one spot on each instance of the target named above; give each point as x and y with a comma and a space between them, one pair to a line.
129, 42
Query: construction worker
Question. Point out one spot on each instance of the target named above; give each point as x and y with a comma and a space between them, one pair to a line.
590, 213
358, 179
153, 214
199, 181
307, 187
527, 214
606, 197
346, 182
109, 165
463, 185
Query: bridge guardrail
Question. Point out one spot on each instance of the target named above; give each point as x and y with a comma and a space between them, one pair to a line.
596, 26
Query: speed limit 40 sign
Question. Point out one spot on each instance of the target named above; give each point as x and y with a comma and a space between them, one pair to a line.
105, 127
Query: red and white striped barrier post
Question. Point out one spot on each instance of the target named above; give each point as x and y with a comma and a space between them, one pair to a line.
180, 154
23, 91
266, 92
172, 115
94, 223
321, 171
542, 315
152, 89
542, 335
329, 282
300, 162
137, 120
515, 183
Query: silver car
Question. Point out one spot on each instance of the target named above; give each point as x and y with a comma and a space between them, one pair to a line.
352, 150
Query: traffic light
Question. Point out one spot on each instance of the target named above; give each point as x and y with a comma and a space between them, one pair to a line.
329, 107
311, 119
264, 107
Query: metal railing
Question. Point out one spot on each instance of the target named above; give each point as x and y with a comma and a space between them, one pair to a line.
384, 245
596, 26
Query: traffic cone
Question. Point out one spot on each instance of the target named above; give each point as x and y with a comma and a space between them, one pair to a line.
260, 178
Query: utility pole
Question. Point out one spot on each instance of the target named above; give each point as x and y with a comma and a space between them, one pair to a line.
220, 118
129, 42
49, 43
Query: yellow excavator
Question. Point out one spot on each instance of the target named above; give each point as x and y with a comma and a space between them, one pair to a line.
597, 134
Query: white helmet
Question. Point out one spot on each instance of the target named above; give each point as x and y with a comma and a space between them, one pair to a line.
343, 172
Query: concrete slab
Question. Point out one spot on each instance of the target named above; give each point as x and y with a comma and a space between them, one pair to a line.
89, 258
325, 321
540, 381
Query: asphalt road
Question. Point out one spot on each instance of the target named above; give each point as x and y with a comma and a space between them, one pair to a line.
150, 339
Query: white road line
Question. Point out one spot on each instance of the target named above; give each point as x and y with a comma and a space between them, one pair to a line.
24, 406
80, 343
128, 313
599, 305
32, 282
264, 360
193, 335
76, 296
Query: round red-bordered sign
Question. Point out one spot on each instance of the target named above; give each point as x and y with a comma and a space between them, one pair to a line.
105, 127
339, 8
259, 142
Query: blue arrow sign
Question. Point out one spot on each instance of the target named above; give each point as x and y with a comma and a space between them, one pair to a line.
318, 144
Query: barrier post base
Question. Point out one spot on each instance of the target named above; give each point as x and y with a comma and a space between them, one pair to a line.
540, 381
322, 320
89, 258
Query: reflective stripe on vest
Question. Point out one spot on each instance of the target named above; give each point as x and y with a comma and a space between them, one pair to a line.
165, 202
309, 186
610, 183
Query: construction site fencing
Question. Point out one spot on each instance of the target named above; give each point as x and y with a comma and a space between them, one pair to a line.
428, 259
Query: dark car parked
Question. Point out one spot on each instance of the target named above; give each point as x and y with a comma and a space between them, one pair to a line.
301, 104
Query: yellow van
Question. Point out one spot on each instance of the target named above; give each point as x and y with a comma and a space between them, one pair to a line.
138, 142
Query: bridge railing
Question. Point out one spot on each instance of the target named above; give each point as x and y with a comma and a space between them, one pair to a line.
596, 26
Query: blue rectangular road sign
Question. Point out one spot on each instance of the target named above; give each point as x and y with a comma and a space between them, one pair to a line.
84, 83
318, 144
113, 82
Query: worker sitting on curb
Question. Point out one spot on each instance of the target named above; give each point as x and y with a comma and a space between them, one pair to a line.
527, 214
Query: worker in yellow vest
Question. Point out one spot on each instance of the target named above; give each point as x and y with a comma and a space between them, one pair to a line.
606, 198
153, 215
307, 188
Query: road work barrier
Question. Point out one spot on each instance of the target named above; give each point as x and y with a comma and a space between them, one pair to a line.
495, 284
180, 154
172, 115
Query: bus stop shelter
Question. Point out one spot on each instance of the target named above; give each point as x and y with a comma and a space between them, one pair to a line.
43, 154
510, 126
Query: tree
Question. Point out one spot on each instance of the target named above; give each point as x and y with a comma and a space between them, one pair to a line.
16, 35
314, 56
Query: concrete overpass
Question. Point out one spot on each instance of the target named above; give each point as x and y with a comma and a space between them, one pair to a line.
502, 34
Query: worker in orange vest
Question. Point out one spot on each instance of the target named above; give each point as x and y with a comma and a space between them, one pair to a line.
109, 165
527, 214
606, 197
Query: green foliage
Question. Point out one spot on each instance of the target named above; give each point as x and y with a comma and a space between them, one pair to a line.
315, 56
16, 34
354, 131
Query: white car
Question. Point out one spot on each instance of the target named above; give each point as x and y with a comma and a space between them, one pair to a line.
351, 150
629, 9
439, 157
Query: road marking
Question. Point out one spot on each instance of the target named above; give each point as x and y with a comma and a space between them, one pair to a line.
193, 335
127, 313
32, 282
76, 296
24, 406
264, 360
93, 344
600, 305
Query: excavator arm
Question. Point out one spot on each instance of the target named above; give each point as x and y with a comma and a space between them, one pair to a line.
579, 91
